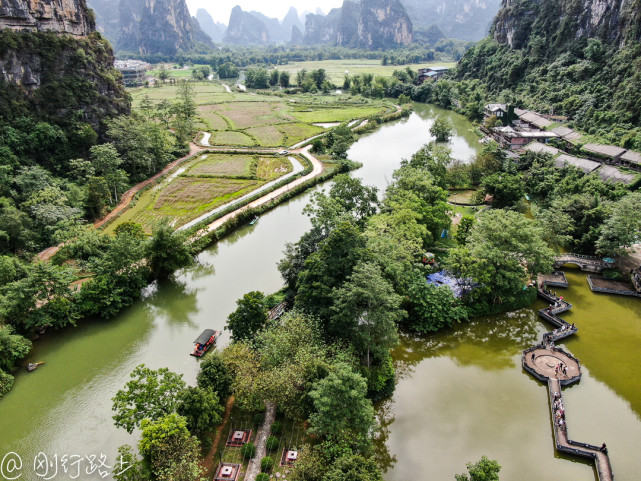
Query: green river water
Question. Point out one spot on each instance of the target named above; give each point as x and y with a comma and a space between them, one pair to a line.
461, 393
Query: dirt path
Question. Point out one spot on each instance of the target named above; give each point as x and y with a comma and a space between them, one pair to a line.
208, 462
261, 438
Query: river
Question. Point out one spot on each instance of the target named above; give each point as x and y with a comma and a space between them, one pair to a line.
461, 393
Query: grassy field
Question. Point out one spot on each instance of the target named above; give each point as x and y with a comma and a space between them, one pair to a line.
201, 185
336, 68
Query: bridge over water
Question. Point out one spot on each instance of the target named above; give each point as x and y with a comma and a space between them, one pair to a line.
558, 369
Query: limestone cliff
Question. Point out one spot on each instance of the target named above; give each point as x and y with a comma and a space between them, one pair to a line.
370, 24
245, 28
615, 22
465, 19
215, 30
297, 36
64, 16
384, 24
53, 65
156, 27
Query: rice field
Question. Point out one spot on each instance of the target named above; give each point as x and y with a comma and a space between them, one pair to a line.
270, 168
231, 137
221, 165
317, 114
268, 135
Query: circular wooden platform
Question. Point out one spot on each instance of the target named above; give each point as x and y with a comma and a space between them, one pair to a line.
545, 361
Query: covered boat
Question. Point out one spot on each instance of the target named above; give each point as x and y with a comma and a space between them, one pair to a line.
204, 342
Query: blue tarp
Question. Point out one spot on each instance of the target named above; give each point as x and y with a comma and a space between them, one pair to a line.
444, 278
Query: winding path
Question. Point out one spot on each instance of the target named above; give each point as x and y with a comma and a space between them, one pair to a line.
543, 362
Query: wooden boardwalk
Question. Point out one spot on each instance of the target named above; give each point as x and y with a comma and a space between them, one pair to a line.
558, 368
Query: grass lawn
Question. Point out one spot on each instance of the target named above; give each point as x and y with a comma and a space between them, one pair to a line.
462, 196
336, 68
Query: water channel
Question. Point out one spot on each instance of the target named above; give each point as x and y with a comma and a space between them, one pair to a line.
461, 393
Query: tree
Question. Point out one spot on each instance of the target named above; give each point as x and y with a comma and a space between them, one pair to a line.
484, 470
366, 310
502, 253
201, 409
171, 453
623, 228
167, 250
249, 317
13, 348
274, 76
463, 230
283, 80
353, 468
129, 467
507, 189
257, 78
214, 376
442, 129
227, 70
432, 307
163, 73
184, 112
149, 395
341, 409
106, 163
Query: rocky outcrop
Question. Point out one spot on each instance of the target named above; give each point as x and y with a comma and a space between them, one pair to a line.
59, 69
297, 36
107, 18
62, 16
215, 30
615, 22
292, 20
384, 24
370, 24
244, 28
155, 26
464, 19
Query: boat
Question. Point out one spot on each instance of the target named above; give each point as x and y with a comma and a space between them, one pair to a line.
204, 342
254, 220
32, 366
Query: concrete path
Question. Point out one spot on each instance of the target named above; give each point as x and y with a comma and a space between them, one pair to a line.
253, 469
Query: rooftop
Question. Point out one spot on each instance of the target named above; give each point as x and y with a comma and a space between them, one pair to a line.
584, 165
535, 119
566, 133
606, 150
540, 148
632, 157
612, 174
509, 131
495, 107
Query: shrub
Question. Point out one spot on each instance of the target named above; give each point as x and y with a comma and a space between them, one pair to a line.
262, 477
258, 419
266, 463
272, 443
248, 450
277, 428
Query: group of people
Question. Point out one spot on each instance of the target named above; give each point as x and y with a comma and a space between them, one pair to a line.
561, 368
559, 411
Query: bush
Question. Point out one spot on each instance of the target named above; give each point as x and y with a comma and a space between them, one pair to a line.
272, 443
248, 450
262, 477
266, 463
258, 419
277, 428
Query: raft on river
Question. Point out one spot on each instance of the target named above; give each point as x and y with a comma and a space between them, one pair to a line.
204, 342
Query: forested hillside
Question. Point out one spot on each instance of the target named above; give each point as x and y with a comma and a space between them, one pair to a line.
568, 57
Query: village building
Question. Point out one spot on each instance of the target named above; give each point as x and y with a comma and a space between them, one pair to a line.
631, 159
610, 153
431, 73
584, 165
227, 472
571, 137
539, 148
534, 119
134, 72
498, 110
611, 174
512, 139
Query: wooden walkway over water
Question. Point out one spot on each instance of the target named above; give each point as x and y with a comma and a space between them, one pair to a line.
543, 361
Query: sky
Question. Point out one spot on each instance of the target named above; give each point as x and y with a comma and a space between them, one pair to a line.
221, 9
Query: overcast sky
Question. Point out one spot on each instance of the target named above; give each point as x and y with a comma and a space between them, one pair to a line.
221, 9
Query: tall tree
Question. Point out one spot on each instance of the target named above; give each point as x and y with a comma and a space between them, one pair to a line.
167, 251
623, 228
249, 317
366, 310
483, 470
151, 394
